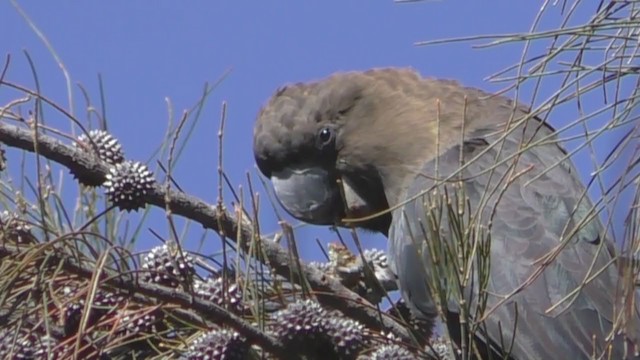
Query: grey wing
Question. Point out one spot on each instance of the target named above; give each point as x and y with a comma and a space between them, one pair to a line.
531, 205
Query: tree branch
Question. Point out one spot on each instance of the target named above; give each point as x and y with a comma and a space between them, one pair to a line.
206, 309
329, 291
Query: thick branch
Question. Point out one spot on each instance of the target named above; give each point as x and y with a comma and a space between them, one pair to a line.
329, 290
206, 309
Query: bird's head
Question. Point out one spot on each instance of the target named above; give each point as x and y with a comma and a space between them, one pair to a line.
343, 146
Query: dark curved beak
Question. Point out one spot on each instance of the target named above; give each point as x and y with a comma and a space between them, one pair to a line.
308, 194
311, 194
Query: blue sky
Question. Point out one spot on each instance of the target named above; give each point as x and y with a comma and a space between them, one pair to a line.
147, 54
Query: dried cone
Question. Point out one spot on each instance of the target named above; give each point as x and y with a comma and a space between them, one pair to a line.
227, 295
302, 326
127, 183
348, 336
103, 303
15, 230
25, 343
167, 265
218, 344
390, 352
422, 328
3, 159
135, 322
107, 147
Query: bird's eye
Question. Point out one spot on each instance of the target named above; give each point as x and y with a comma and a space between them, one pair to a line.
325, 136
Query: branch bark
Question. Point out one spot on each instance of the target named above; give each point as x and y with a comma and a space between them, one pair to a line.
130, 284
329, 291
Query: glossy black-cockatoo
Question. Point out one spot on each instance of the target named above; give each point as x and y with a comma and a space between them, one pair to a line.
379, 145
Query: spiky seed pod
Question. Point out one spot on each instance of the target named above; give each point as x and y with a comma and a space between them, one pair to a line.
341, 257
15, 346
88, 349
345, 265
389, 352
303, 327
376, 256
167, 265
103, 303
422, 328
138, 331
377, 277
134, 323
321, 266
44, 347
3, 159
368, 274
72, 317
127, 183
107, 147
348, 336
212, 290
14, 229
218, 344
24, 344
440, 348
377, 259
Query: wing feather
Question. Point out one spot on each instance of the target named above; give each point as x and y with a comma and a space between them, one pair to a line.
535, 204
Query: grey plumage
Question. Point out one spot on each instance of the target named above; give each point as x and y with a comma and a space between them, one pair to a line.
392, 138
